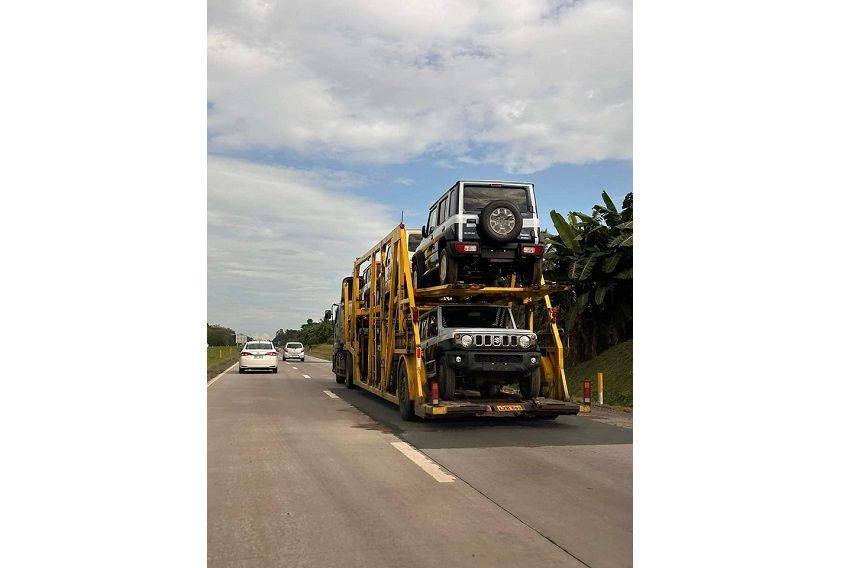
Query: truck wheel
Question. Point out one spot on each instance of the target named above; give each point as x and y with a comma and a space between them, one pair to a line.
446, 382
340, 378
348, 380
531, 387
448, 268
406, 406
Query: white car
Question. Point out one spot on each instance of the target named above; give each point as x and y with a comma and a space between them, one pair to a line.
259, 355
294, 350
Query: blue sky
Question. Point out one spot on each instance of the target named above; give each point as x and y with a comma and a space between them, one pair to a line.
327, 119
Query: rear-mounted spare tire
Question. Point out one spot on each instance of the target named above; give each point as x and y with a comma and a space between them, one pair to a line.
500, 221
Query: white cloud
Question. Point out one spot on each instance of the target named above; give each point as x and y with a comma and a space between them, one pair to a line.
279, 242
522, 85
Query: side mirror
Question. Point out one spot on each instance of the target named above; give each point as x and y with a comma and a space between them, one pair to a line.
423, 231
327, 315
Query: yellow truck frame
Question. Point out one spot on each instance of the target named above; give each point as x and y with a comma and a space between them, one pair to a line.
381, 335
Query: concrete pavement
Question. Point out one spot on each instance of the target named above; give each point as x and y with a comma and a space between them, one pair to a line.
303, 472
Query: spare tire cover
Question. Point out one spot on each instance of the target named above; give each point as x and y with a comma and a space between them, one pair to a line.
500, 221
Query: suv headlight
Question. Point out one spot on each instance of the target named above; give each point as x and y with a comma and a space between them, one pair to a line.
524, 341
466, 341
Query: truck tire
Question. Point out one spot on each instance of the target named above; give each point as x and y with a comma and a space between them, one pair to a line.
349, 377
500, 221
531, 387
446, 382
448, 268
406, 406
340, 378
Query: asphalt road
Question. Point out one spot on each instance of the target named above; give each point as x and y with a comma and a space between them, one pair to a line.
297, 477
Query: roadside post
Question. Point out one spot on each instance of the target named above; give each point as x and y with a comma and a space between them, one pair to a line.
600, 388
586, 406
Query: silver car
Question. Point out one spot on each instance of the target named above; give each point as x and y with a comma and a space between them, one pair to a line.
294, 350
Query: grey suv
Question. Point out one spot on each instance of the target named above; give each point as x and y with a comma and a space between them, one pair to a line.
480, 231
479, 347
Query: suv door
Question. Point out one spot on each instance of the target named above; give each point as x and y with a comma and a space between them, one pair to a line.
437, 216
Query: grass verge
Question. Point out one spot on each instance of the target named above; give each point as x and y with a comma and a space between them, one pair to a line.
220, 358
321, 351
616, 363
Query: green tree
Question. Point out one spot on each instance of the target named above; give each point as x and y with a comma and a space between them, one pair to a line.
594, 254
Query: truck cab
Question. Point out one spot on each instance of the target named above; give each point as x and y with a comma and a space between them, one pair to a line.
479, 347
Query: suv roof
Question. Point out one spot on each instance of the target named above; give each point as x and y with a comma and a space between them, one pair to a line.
484, 182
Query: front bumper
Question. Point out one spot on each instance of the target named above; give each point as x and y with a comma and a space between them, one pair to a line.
511, 362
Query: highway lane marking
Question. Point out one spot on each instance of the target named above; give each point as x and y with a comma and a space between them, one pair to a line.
423, 462
307, 376
331, 394
219, 376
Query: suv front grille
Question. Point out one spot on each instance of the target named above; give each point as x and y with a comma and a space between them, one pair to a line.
490, 340
497, 358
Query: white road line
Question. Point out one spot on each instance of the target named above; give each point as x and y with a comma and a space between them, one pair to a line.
217, 377
423, 462
331, 394
307, 376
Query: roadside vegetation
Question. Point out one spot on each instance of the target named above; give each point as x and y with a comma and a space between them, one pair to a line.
322, 351
311, 333
594, 255
616, 363
221, 357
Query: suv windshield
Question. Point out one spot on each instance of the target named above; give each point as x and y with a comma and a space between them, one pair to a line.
259, 346
293, 346
477, 316
475, 197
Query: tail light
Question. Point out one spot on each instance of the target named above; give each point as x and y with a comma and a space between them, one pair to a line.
272, 353
587, 392
415, 315
434, 392
419, 352
552, 312
467, 248
245, 354
536, 250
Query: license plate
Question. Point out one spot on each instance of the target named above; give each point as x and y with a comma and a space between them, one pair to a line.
509, 407
258, 356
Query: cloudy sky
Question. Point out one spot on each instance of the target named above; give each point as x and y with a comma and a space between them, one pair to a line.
327, 121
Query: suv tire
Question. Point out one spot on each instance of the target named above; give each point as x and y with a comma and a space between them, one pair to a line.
505, 214
406, 406
448, 268
531, 387
446, 382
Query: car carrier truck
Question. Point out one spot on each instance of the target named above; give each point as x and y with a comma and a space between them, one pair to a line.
448, 350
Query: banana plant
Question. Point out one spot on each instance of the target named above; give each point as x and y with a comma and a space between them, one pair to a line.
594, 254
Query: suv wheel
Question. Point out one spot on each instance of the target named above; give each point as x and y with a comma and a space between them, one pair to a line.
448, 268
531, 386
446, 381
500, 221
536, 272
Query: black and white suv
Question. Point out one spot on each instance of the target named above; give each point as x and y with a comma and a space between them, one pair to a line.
482, 232
479, 347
